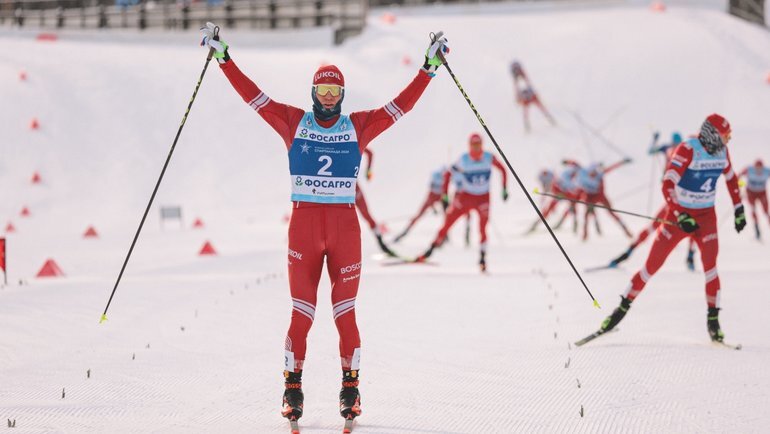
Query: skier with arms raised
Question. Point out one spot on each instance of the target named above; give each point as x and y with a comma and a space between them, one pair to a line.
324, 149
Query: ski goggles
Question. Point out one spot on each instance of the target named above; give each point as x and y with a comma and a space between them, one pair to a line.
323, 89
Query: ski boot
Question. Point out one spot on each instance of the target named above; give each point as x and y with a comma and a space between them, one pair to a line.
483, 262
756, 231
611, 321
614, 263
293, 397
424, 257
691, 260
350, 399
712, 323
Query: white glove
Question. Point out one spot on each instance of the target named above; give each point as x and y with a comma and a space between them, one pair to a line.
433, 55
212, 41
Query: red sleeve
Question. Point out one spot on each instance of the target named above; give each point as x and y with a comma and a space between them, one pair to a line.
369, 124
500, 167
369, 155
679, 162
283, 118
445, 185
732, 182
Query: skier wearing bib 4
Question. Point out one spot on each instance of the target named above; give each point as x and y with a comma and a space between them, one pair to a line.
324, 149
475, 168
756, 190
689, 188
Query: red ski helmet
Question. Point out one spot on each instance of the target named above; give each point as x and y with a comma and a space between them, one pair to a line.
329, 74
758, 164
719, 123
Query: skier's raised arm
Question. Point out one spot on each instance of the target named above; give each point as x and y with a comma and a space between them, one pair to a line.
282, 117
371, 123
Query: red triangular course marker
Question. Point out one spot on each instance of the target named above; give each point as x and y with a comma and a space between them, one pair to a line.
36, 178
10, 228
25, 212
198, 223
34, 124
90, 233
50, 269
23, 75
207, 249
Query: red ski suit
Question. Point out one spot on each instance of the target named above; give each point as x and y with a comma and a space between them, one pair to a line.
324, 230
668, 236
464, 202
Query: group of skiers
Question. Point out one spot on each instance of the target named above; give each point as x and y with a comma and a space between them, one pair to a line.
578, 185
325, 149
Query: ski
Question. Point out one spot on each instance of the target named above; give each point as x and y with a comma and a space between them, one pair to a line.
348, 428
592, 336
294, 425
727, 345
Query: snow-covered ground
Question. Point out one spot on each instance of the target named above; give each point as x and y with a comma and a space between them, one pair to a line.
195, 344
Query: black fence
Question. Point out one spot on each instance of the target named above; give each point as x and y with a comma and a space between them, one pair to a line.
346, 17
749, 10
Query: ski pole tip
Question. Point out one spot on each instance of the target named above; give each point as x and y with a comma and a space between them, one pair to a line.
596, 304
103, 319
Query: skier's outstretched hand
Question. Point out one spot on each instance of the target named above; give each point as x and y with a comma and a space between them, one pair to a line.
740, 218
687, 223
505, 194
435, 53
211, 40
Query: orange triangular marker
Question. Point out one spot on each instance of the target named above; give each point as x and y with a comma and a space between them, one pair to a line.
50, 269
36, 178
25, 212
10, 228
34, 124
198, 223
207, 249
90, 233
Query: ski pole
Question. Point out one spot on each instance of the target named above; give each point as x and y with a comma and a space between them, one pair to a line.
515, 175
560, 197
162, 172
